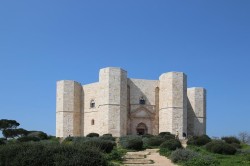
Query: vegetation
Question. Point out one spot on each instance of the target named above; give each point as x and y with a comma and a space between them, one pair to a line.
50, 154
131, 142
199, 140
93, 135
220, 147
231, 140
154, 141
22, 147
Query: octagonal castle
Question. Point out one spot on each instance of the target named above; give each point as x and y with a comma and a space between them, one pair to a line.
122, 106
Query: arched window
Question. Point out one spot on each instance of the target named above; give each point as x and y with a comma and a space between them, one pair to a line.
92, 103
142, 101
92, 122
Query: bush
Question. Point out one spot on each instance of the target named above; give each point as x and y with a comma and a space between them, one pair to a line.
79, 155
2, 141
171, 145
153, 141
104, 145
108, 137
147, 135
131, 142
162, 134
220, 147
235, 145
202, 161
92, 135
168, 137
199, 140
39, 134
28, 138
231, 140
34, 154
116, 154
182, 155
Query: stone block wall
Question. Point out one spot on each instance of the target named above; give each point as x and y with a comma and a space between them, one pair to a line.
68, 108
173, 103
196, 111
114, 91
169, 105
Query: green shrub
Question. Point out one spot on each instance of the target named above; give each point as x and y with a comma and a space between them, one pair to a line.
220, 147
202, 161
231, 140
199, 140
80, 139
68, 139
171, 144
235, 145
147, 135
92, 135
131, 142
168, 137
108, 137
68, 155
183, 155
34, 154
2, 141
165, 152
116, 154
164, 133
39, 134
104, 145
28, 138
153, 141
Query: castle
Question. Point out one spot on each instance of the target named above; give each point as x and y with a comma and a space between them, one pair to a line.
122, 106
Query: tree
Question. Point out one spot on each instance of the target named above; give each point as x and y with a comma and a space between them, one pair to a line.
8, 124
12, 133
244, 136
8, 128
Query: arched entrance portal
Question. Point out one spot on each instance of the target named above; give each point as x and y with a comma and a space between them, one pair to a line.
141, 129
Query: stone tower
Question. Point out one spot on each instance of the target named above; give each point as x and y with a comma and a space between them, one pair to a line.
173, 103
196, 111
68, 108
113, 85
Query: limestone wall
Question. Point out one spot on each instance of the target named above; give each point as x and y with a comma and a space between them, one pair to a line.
92, 93
146, 89
114, 91
68, 108
118, 110
196, 111
173, 103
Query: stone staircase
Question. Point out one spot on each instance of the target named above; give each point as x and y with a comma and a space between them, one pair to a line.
149, 157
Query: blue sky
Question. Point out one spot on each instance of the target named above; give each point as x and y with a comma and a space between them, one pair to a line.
45, 41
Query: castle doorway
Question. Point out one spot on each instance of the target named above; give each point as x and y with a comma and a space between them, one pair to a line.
141, 129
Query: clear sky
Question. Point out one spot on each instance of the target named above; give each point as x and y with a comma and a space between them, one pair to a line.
45, 41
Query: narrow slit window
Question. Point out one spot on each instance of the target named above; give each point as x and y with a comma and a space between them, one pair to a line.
92, 122
92, 104
142, 101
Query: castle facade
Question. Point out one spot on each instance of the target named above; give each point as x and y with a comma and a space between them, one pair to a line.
123, 106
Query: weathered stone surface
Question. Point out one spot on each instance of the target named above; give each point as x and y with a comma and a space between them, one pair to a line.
196, 111
118, 109
137, 161
173, 103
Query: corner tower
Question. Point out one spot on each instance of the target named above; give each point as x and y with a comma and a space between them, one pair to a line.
173, 103
114, 100
196, 111
68, 108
